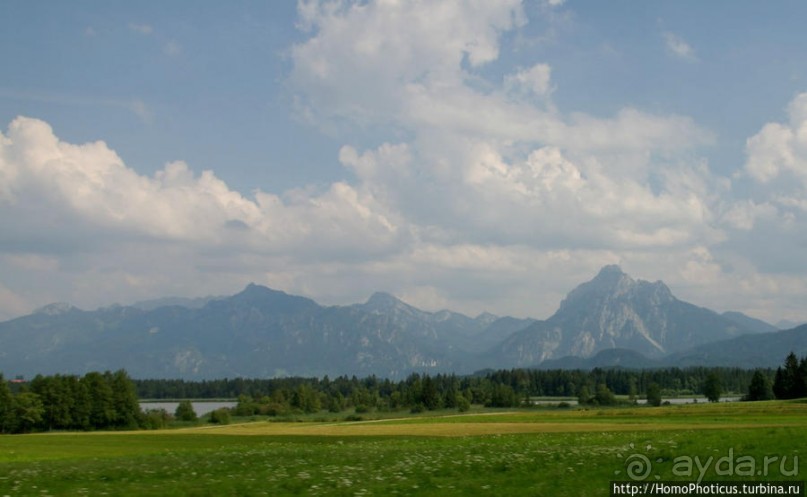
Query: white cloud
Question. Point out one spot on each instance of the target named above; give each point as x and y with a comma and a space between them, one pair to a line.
780, 149
143, 29
485, 197
489, 165
500, 167
172, 48
90, 184
361, 57
534, 80
678, 47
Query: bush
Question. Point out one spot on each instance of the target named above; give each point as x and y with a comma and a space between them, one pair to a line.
220, 416
154, 419
185, 411
463, 404
274, 409
653, 395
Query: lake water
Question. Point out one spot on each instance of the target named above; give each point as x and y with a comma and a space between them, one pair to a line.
200, 407
676, 400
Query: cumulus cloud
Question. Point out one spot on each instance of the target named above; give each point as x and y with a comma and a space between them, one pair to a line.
678, 47
361, 58
498, 165
90, 186
488, 197
490, 165
534, 80
780, 149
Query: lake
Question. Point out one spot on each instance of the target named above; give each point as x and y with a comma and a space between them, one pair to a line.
201, 407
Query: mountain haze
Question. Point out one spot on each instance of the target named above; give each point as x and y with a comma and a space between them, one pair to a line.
260, 332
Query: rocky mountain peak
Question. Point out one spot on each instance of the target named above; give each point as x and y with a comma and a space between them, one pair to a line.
615, 311
611, 281
656, 291
55, 309
382, 302
267, 299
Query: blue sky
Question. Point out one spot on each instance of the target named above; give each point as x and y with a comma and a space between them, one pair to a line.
473, 156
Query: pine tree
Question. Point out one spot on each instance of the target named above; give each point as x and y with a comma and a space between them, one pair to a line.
759, 388
712, 387
789, 381
584, 396
6, 406
429, 396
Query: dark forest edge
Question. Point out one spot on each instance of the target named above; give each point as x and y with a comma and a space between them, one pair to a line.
110, 401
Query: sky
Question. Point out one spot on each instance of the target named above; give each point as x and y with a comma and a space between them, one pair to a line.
467, 155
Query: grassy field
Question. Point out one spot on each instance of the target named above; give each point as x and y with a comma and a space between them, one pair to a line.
537, 452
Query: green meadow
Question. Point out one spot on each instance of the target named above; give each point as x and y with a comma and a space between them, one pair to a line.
557, 452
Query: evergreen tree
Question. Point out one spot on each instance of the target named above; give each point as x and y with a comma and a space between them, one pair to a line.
712, 387
788, 383
6, 406
759, 388
653, 394
503, 396
604, 396
584, 396
801, 379
463, 404
336, 402
306, 399
429, 396
632, 391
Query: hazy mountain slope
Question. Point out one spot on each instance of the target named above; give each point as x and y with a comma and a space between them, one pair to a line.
748, 351
611, 320
258, 332
752, 324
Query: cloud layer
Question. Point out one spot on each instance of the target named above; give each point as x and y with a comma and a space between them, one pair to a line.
484, 196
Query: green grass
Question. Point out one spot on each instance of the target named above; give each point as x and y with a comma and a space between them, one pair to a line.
576, 455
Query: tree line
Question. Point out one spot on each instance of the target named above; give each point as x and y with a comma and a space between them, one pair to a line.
502, 388
95, 401
110, 400
790, 380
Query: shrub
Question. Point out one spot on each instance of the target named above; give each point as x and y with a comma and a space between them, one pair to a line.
185, 411
220, 416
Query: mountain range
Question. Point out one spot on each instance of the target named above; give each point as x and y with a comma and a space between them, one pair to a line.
612, 320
